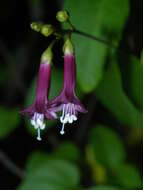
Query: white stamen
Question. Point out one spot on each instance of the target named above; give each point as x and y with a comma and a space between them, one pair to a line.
38, 136
68, 115
38, 122
62, 132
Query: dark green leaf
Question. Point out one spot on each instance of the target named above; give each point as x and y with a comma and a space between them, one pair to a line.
129, 177
51, 174
104, 188
37, 160
111, 94
136, 81
107, 146
9, 120
67, 151
100, 18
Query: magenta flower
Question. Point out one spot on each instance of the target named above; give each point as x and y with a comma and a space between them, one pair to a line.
67, 101
40, 109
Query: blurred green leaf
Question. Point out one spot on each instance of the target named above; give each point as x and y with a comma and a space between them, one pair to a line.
36, 160
103, 19
67, 151
51, 174
128, 177
110, 92
9, 120
107, 146
141, 57
104, 188
136, 80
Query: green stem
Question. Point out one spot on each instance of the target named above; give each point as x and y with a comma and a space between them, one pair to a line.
94, 38
100, 40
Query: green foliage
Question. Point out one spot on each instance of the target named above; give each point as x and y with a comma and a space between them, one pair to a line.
36, 160
67, 151
100, 18
128, 177
111, 93
110, 154
136, 80
104, 188
107, 146
50, 174
9, 120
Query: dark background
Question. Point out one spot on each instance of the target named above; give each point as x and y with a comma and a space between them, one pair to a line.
20, 48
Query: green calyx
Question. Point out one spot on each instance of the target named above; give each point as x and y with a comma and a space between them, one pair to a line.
47, 30
68, 47
47, 56
62, 16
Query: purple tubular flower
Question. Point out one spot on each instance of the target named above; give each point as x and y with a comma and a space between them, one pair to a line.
40, 109
67, 101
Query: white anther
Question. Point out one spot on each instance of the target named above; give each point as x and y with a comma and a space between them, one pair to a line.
39, 122
42, 126
70, 119
74, 117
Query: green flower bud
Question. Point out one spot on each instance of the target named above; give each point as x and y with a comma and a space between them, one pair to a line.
68, 47
47, 30
47, 56
36, 26
62, 16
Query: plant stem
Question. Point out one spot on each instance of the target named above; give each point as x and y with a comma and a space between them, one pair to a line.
11, 166
95, 38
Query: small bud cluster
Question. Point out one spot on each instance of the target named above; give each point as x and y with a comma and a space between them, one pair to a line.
47, 29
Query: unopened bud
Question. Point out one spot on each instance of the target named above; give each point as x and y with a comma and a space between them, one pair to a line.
47, 56
36, 26
62, 16
47, 30
68, 47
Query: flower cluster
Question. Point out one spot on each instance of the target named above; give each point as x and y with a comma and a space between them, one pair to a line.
67, 101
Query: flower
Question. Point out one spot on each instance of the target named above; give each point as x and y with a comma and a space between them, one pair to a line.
67, 101
40, 108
